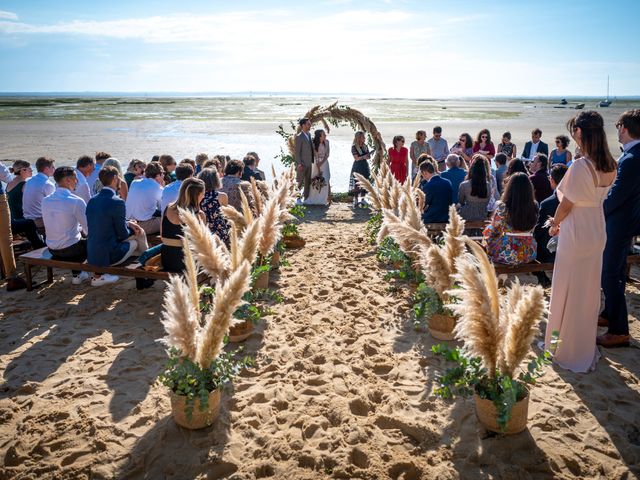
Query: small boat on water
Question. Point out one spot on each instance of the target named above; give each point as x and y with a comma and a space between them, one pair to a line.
607, 102
579, 106
563, 101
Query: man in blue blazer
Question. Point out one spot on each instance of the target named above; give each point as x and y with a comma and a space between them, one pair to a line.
535, 146
622, 213
438, 192
110, 240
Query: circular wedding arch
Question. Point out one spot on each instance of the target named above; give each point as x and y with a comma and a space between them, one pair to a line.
337, 115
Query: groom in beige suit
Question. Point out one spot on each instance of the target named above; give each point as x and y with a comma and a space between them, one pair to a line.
304, 156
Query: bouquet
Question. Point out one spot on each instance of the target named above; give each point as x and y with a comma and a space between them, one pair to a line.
318, 182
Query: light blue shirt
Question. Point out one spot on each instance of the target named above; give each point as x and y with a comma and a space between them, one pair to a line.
36, 188
170, 194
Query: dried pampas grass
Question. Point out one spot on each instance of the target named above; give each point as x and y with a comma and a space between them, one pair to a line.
246, 247
371, 190
191, 273
180, 318
435, 269
453, 241
270, 228
408, 238
205, 246
257, 197
247, 211
234, 216
227, 299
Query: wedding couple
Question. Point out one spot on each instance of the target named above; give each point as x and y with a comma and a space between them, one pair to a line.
312, 164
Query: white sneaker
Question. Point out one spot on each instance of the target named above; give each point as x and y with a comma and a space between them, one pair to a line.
104, 279
78, 279
299, 202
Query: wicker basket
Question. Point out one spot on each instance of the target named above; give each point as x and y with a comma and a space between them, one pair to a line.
262, 282
240, 332
293, 241
199, 418
441, 326
487, 415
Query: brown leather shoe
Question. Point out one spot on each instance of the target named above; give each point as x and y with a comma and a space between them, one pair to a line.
609, 340
15, 283
603, 322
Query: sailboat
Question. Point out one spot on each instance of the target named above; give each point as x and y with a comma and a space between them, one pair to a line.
607, 102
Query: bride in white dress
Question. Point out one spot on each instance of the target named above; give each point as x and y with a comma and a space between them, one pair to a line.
320, 190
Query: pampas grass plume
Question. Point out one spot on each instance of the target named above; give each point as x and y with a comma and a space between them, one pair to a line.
205, 246
180, 319
270, 229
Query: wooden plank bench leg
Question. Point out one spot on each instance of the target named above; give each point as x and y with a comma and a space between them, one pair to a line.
28, 277
49, 275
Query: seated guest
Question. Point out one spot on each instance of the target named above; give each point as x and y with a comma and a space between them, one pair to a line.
249, 169
454, 174
547, 209
190, 196
535, 146
501, 170
84, 168
64, 219
191, 162
101, 157
123, 189
200, 159
506, 146
256, 169
36, 189
475, 192
212, 202
560, 154
509, 237
514, 166
15, 189
143, 201
14, 282
540, 178
437, 190
171, 191
483, 144
232, 185
112, 239
464, 148
169, 166
215, 164
135, 170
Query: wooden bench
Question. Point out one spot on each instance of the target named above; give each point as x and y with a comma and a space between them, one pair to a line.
42, 257
435, 229
19, 245
633, 259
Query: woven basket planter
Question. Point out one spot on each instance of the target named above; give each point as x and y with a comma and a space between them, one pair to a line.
487, 415
441, 326
199, 418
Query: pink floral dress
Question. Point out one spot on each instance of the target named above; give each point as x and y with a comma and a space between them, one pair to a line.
506, 246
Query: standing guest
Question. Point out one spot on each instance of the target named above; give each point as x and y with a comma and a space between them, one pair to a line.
143, 201
171, 191
579, 219
437, 190
190, 197
464, 148
84, 168
560, 154
535, 146
439, 147
232, 185
454, 174
361, 154
501, 170
249, 170
123, 189
64, 218
200, 159
540, 178
101, 157
135, 171
475, 192
399, 159
36, 189
211, 203
622, 213
169, 166
263, 177
14, 192
509, 237
303, 156
483, 144
14, 282
541, 233
417, 148
112, 239
507, 147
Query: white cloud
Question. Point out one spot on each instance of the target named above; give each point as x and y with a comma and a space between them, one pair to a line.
8, 15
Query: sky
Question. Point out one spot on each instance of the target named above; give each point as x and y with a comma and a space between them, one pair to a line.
453, 48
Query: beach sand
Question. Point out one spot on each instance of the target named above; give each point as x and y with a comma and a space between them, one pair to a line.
342, 387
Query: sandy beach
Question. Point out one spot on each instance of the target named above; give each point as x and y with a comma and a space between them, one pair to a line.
342, 387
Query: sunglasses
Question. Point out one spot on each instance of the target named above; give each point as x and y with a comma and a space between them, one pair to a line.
483, 136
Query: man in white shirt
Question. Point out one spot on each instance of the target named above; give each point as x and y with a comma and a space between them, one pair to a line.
36, 188
171, 191
85, 166
93, 177
64, 218
143, 200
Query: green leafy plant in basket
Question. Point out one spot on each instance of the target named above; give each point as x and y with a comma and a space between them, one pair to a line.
497, 331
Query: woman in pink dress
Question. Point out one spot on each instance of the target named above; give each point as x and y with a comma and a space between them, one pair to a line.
399, 159
579, 220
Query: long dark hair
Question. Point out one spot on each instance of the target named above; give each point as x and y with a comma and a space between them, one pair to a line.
521, 210
514, 166
468, 143
480, 133
478, 177
316, 138
594, 141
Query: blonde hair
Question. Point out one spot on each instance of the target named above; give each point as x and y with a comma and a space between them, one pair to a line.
190, 190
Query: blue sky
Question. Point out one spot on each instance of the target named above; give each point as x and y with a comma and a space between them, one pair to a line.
395, 48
